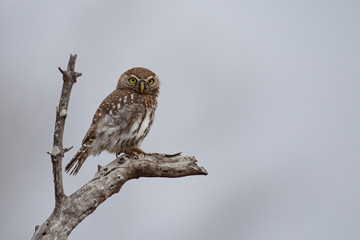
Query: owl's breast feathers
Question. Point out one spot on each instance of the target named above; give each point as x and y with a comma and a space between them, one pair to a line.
121, 122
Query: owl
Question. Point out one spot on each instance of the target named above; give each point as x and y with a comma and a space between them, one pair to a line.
123, 119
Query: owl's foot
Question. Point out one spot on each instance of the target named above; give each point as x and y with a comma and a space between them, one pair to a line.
134, 152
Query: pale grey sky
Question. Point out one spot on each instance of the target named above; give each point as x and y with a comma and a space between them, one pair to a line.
264, 93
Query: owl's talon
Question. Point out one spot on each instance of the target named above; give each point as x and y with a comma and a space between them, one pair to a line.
132, 154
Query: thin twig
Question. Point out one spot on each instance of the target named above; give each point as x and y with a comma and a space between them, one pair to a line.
68, 149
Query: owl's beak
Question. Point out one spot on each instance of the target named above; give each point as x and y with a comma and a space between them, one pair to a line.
142, 86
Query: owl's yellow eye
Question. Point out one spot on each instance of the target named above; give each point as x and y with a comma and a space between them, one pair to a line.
132, 80
151, 81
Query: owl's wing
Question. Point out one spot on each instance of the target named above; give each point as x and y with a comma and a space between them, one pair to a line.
100, 113
116, 110
90, 135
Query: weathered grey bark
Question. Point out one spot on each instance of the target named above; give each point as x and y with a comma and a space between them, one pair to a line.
69, 211
69, 78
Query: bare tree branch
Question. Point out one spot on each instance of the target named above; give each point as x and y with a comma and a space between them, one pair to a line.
69, 77
69, 211
109, 180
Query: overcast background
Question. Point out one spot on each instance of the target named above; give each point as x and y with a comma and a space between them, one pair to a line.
264, 93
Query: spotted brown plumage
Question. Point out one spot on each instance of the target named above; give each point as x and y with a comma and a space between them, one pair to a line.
123, 119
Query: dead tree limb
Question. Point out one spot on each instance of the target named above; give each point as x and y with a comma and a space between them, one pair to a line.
69, 78
69, 211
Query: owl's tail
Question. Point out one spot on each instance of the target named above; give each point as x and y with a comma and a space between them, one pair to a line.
77, 161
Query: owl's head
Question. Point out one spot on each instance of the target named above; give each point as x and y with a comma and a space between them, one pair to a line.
139, 80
